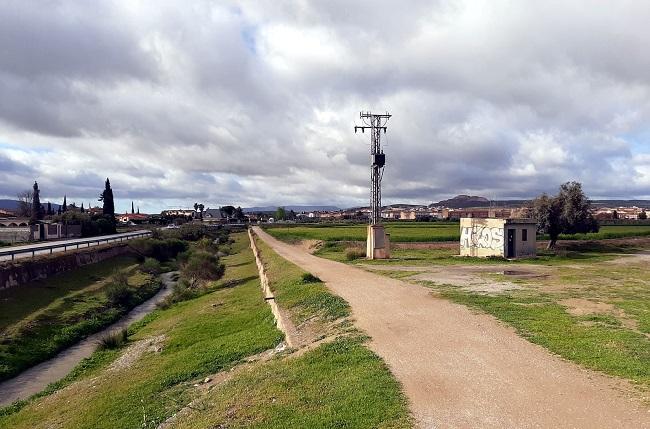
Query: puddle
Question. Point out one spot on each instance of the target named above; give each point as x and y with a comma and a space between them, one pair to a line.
36, 378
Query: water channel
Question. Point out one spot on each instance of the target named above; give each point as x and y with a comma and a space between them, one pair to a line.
36, 378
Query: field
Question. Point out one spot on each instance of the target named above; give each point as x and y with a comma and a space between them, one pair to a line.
399, 232
402, 232
217, 353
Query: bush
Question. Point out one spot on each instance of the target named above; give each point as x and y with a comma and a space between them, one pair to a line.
352, 254
203, 265
310, 278
162, 250
151, 266
113, 340
118, 291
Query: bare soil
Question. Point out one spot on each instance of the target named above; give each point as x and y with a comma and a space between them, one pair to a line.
462, 369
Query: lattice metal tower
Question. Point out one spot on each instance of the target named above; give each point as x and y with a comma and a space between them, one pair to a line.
376, 124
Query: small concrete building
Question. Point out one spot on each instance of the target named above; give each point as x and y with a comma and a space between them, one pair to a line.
508, 238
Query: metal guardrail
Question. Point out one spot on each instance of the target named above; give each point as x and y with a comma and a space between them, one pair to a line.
75, 245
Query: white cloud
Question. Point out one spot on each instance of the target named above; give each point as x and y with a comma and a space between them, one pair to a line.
255, 102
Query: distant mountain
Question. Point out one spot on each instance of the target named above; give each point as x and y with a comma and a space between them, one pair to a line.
296, 209
8, 204
463, 201
13, 204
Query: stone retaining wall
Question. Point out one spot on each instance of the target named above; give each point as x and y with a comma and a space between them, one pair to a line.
25, 270
268, 293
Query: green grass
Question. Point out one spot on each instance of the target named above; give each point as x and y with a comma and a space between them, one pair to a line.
448, 256
399, 232
425, 232
303, 295
66, 320
338, 385
19, 302
603, 344
201, 336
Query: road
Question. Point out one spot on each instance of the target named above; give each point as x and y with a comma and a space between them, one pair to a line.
460, 369
40, 248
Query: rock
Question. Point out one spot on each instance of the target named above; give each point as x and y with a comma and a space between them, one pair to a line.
207, 380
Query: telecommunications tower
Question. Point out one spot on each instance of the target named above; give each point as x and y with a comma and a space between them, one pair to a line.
378, 241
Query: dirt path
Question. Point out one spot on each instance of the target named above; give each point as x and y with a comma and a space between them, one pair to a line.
461, 369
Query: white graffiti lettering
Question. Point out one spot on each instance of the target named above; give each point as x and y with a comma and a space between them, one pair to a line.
481, 237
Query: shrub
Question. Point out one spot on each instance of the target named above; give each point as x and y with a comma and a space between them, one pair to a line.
113, 339
352, 254
162, 250
203, 265
118, 291
151, 266
310, 278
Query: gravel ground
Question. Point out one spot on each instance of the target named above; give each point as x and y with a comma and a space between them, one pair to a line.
461, 369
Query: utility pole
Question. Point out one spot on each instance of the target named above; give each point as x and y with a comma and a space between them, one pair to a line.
378, 241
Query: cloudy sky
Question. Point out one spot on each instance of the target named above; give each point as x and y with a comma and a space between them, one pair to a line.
254, 103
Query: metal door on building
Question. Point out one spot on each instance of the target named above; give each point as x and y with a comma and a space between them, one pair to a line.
511, 243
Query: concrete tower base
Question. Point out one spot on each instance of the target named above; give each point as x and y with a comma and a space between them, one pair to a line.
378, 244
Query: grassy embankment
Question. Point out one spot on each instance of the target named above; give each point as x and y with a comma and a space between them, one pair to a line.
338, 383
39, 319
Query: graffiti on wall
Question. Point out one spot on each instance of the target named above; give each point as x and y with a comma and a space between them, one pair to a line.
482, 237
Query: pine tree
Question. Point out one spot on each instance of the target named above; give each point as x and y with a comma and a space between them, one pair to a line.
37, 208
64, 207
138, 209
132, 208
82, 208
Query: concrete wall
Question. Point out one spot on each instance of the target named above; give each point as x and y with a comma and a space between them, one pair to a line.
523, 249
482, 237
13, 234
24, 270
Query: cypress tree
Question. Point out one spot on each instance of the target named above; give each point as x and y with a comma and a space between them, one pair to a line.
65, 205
82, 208
107, 198
49, 209
132, 208
37, 208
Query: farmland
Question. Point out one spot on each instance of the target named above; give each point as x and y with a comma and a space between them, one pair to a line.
422, 232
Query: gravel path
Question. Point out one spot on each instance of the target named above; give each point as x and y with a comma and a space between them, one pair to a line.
460, 369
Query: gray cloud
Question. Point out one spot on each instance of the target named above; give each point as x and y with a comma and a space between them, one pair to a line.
254, 103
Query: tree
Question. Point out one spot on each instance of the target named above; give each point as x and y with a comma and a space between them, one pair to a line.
614, 214
239, 214
37, 208
280, 213
82, 210
107, 198
49, 209
643, 215
228, 210
64, 207
25, 203
569, 212
132, 208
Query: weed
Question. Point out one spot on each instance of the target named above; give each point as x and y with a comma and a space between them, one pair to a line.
113, 340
